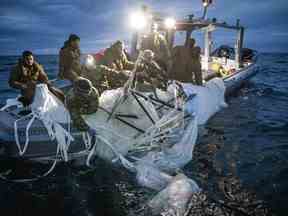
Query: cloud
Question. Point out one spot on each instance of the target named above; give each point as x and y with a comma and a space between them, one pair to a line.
43, 25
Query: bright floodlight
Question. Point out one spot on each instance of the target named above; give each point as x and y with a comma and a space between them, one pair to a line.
138, 21
89, 60
170, 23
205, 4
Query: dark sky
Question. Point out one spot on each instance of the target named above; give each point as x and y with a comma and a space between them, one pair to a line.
43, 25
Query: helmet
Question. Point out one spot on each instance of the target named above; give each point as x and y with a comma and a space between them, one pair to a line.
82, 86
73, 37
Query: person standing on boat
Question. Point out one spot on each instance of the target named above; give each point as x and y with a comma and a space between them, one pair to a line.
196, 66
82, 99
186, 65
195, 61
26, 75
69, 59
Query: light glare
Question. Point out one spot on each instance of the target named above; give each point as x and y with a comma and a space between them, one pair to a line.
170, 23
89, 60
138, 21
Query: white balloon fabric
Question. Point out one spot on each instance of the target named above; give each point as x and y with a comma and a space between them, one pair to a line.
156, 166
174, 199
49, 106
209, 99
121, 136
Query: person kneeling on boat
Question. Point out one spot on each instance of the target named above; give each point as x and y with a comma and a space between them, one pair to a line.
152, 75
82, 99
115, 57
103, 77
156, 42
26, 75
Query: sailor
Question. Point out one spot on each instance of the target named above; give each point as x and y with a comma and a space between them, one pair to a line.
196, 61
151, 72
105, 78
26, 75
116, 58
69, 59
190, 43
196, 66
186, 65
157, 43
82, 99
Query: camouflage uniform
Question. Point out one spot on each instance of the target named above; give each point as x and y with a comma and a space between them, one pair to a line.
157, 44
151, 71
104, 78
186, 65
25, 78
69, 62
81, 103
116, 59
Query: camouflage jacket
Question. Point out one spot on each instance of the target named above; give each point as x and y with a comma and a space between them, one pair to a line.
79, 105
69, 63
115, 61
186, 67
158, 44
153, 74
21, 75
103, 77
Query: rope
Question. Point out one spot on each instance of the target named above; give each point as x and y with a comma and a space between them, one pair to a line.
54, 130
22, 152
39, 177
86, 140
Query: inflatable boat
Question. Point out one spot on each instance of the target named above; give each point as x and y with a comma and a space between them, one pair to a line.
41, 147
24, 134
234, 66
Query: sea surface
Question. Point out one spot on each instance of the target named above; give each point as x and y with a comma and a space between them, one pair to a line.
251, 136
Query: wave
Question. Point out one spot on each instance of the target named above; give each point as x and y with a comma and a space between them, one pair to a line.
281, 62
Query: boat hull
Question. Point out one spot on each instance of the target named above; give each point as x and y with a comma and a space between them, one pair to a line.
236, 80
40, 145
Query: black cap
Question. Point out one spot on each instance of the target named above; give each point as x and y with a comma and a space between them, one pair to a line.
27, 53
73, 37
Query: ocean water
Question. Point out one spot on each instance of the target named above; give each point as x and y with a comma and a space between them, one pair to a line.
251, 136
